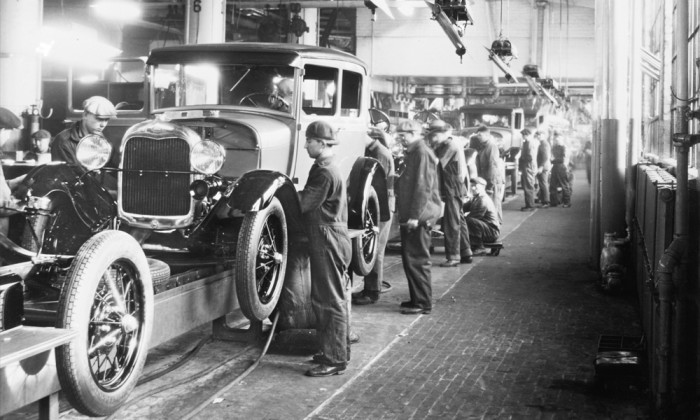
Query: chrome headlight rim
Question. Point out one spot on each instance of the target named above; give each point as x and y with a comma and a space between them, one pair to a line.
207, 157
93, 151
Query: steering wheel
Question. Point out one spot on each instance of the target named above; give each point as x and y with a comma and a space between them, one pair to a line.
256, 103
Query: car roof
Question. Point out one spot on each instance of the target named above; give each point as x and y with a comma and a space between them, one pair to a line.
248, 52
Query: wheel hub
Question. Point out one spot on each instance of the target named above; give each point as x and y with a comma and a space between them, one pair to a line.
129, 323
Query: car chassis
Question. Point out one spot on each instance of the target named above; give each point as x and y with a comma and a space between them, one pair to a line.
128, 283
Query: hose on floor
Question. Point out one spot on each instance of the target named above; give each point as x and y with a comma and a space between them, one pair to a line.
239, 378
178, 383
181, 361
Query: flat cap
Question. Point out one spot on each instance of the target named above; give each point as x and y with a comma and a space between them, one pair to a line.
439, 126
478, 180
525, 132
99, 106
41, 134
322, 130
9, 120
409, 125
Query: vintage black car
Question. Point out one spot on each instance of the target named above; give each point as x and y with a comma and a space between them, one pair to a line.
195, 220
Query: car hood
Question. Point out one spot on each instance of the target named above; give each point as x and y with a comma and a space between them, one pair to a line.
242, 129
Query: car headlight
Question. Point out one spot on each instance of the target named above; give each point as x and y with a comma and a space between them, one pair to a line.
207, 157
93, 151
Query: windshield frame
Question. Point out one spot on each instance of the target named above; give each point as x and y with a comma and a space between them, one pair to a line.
232, 83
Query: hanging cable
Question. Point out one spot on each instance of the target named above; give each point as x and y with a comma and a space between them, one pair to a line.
508, 17
568, 37
561, 30
500, 30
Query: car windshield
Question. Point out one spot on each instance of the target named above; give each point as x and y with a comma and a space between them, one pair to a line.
255, 86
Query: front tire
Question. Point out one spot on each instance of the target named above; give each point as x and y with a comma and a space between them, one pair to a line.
364, 247
261, 261
108, 299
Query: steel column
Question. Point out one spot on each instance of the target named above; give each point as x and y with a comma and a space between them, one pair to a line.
20, 64
205, 21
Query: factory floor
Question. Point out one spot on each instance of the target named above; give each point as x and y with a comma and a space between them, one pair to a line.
510, 336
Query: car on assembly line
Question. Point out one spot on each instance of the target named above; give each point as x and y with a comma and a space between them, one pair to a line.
194, 221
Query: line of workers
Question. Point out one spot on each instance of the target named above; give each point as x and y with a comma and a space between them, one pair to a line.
435, 181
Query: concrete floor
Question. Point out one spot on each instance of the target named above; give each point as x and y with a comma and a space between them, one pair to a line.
513, 336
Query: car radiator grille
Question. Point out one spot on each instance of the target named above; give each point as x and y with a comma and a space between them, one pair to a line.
159, 193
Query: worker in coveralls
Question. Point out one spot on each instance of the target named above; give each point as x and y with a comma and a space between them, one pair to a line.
374, 280
419, 205
325, 213
453, 171
97, 112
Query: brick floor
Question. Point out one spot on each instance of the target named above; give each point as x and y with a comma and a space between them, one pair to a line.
509, 337
515, 337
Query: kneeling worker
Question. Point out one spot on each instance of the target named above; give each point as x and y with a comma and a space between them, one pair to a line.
325, 213
482, 220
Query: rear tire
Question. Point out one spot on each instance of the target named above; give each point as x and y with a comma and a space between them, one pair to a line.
108, 300
261, 261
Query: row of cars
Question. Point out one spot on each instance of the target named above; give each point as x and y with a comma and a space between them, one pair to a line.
194, 218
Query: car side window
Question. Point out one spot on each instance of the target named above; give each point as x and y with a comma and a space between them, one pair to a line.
320, 90
351, 94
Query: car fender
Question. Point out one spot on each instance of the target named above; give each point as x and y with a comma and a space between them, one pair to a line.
92, 203
366, 172
254, 191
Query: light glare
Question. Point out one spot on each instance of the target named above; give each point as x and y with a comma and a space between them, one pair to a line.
117, 10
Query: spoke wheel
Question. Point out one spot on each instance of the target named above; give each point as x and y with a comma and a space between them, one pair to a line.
261, 261
108, 299
364, 247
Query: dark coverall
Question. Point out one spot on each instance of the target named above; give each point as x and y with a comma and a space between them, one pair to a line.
64, 145
482, 221
325, 213
544, 156
418, 197
528, 166
560, 176
453, 191
373, 280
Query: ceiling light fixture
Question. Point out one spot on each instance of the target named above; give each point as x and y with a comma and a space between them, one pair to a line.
122, 10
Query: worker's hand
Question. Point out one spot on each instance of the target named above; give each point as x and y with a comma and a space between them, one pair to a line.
412, 224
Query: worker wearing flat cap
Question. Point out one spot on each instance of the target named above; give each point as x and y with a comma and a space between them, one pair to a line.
453, 191
325, 214
97, 111
482, 219
418, 204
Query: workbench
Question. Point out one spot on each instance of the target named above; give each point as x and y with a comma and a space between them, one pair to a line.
28, 368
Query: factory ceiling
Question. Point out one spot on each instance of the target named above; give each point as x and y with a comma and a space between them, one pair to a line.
163, 22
